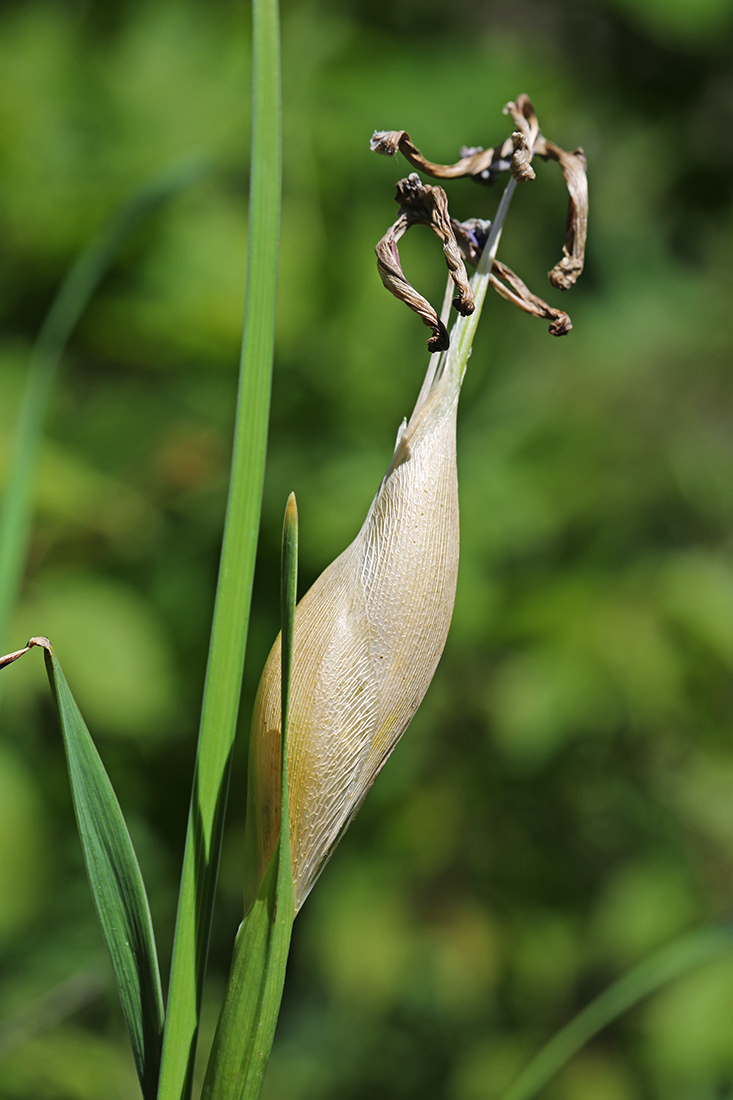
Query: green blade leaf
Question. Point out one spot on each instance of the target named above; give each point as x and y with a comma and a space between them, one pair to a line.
236, 572
246, 1027
650, 975
116, 883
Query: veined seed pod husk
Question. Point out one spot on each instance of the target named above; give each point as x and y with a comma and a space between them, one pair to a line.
367, 639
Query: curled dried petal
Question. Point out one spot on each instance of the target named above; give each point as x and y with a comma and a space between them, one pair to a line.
521, 164
518, 293
523, 138
423, 205
524, 117
471, 236
483, 165
393, 277
514, 155
574, 166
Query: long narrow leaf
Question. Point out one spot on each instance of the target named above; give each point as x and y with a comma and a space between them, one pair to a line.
251, 1007
116, 883
650, 975
236, 572
70, 302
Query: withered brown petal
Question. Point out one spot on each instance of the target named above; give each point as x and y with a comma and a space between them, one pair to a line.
574, 166
521, 163
523, 297
524, 117
515, 155
421, 204
426, 205
481, 164
393, 277
523, 138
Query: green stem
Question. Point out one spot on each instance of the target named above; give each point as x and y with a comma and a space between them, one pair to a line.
464, 330
234, 590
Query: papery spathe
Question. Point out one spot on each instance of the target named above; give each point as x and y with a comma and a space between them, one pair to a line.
367, 639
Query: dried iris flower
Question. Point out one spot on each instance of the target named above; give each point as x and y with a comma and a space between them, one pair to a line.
370, 632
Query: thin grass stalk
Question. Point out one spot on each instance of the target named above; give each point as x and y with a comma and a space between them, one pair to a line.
71, 300
672, 962
233, 597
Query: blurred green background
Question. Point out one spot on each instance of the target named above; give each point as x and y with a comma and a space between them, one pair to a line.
563, 802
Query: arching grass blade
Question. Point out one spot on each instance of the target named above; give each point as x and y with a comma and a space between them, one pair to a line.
72, 298
650, 975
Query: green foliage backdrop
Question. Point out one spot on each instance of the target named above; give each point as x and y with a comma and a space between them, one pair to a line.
562, 804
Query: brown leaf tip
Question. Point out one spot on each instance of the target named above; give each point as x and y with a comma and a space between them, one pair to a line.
10, 657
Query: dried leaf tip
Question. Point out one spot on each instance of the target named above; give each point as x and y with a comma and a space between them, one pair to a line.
10, 657
421, 204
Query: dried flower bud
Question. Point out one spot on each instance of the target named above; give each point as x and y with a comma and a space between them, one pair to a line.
367, 639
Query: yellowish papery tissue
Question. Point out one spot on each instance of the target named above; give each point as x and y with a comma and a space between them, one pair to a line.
367, 639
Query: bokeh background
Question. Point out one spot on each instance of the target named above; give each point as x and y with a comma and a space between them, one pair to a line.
563, 802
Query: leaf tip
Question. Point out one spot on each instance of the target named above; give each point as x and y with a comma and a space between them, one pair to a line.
291, 509
10, 657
